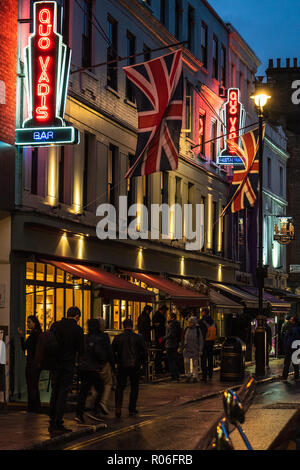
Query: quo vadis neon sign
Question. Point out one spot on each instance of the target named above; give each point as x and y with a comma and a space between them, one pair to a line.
233, 116
47, 66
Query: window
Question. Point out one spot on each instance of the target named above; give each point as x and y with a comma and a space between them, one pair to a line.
204, 34
61, 178
164, 10
281, 181
131, 61
215, 59
87, 34
66, 19
131, 182
269, 182
215, 229
112, 53
147, 53
202, 133
241, 81
87, 149
165, 187
178, 18
203, 202
233, 75
223, 66
112, 174
188, 109
213, 144
34, 171
178, 190
191, 28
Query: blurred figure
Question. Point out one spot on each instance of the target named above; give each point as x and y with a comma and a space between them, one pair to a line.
269, 343
192, 349
209, 332
32, 372
159, 326
144, 324
106, 373
130, 354
292, 334
173, 339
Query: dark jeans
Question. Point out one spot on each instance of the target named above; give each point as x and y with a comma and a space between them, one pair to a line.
122, 374
61, 384
89, 378
207, 359
172, 361
287, 363
32, 379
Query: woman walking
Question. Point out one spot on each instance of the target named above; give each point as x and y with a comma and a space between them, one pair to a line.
192, 349
32, 372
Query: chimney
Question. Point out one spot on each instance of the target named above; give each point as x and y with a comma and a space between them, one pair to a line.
288, 63
295, 62
271, 64
278, 63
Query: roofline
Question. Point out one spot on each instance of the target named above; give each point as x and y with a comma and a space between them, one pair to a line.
213, 11
233, 30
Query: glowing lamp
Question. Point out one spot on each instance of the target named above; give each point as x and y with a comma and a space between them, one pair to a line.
260, 99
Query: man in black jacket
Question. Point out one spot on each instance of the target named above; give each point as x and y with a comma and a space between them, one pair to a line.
69, 336
144, 324
130, 354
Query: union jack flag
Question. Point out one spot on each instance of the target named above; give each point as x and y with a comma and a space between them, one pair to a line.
245, 181
158, 86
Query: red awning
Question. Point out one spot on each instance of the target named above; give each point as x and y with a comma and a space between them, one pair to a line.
179, 295
110, 285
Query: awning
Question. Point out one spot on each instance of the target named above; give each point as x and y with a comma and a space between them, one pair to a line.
177, 294
110, 285
247, 299
223, 303
277, 305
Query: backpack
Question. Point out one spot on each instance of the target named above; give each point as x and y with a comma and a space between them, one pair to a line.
211, 333
47, 351
96, 349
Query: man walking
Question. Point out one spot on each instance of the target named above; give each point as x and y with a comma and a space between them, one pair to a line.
292, 334
70, 341
130, 354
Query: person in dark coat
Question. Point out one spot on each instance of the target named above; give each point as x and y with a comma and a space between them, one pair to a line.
172, 341
97, 353
144, 324
130, 355
292, 334
70, 339
32, 372
209, 332
159, 326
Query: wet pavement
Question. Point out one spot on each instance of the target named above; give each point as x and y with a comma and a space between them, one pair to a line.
185, 410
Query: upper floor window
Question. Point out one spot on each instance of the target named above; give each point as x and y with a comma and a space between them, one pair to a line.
223, 66
178, 18
201, 132
204, 35
147, 53
112, 53
130, 52
191, 28
164, 11
269, 174
189, 110
87, 34
213, 143
281, 181
215, 58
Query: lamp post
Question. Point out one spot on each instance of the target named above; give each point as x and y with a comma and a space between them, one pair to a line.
260, 99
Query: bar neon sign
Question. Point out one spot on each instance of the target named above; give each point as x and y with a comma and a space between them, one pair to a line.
47, 67
233, 117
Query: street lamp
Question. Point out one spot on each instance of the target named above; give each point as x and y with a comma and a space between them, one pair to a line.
261, 97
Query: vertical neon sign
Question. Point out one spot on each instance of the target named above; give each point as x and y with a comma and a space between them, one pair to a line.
47, 67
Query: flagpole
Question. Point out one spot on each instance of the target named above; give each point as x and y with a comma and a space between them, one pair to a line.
260, 99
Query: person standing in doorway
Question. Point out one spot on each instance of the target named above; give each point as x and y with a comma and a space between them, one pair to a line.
70, 339
130, 354
32, 372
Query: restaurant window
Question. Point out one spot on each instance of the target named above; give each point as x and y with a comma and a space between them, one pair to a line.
204, 35
215, 58
87, 34
130, 52
112, 53
51, 291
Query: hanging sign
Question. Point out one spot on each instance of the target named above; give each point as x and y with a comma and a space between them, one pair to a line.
233, 117
284, 232
47, 67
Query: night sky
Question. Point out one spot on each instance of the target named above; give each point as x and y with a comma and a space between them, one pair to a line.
270, 27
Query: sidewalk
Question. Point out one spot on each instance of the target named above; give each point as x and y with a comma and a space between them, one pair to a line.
25, 430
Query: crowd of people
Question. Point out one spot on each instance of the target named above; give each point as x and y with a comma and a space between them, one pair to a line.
106, 366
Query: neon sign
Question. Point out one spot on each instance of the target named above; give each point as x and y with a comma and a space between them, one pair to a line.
233, 116
47, 66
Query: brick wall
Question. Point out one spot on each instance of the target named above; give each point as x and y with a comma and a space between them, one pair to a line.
8, 66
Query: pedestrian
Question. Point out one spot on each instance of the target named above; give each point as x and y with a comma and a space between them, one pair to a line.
108, 371
172, 341
209, 332
70, 339
269, 344
130, 354
144, 324
32, 372
159, 326
95, 357
292, 334
192, 349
